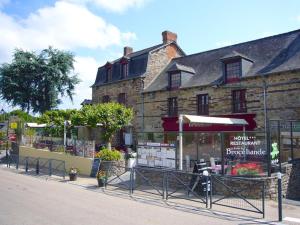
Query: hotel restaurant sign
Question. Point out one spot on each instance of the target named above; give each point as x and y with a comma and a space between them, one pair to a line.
245, 146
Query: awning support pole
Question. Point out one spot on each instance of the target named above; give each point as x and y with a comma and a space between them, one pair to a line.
180, 141
244, 141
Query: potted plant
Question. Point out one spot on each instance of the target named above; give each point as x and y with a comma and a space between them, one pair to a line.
131, 159
101, 178
73, 173
111, 162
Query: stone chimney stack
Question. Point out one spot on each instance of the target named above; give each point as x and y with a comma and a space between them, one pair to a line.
127, 50
168, 36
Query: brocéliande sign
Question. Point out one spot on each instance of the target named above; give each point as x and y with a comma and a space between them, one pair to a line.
245, 145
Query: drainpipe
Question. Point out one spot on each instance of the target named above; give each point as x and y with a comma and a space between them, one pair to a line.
267, 133
180, 141
143, 106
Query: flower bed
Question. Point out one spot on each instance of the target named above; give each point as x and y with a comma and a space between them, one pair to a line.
248, 169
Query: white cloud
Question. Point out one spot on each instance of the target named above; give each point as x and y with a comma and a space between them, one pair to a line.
113, 5
86, 67
65, 26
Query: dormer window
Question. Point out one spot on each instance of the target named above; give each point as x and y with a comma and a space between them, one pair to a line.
124, 69
174, 80
108, 72
233, 71
179, 75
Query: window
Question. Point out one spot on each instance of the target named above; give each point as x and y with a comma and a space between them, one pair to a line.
124, 70
105, 99
202, 104
233, 71
174, 80
239, 101
108, 74
172, 107
122, 98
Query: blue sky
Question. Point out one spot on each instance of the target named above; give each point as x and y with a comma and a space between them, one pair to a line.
97, 30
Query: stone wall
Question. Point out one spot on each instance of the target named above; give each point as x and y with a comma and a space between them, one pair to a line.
282, 100
249, 187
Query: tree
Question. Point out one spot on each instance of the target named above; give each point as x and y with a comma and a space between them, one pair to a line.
110, 116
55, 121
23, 116
34, 82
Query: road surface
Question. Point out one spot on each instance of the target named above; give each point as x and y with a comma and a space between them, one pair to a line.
29, 200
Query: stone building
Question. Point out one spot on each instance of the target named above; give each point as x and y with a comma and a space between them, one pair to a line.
123, 80
162, 82
229, 82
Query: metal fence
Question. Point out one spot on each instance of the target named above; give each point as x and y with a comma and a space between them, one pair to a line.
206, 191
36, 165
238, 192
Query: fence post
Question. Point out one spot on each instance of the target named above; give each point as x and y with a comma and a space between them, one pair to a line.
164, 184
279, 197
37, 166
211, 190
17, 162
205, 174
64, 170
130, 182
167, 184
263, 198
50, 167
26, 164
106, 176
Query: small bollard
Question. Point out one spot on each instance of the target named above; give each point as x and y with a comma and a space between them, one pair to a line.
279, 175
37, 166
207, 186
26, 164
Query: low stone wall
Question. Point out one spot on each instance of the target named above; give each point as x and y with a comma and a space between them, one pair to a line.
84, 165
251, 187
113, 168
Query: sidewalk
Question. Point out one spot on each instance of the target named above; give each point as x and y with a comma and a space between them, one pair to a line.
290, 211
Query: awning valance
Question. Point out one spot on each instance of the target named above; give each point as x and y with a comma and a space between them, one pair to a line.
213, 120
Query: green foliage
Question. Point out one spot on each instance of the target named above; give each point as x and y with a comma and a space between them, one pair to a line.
55, 121
35, 81
24, 116
109, 155
111, 116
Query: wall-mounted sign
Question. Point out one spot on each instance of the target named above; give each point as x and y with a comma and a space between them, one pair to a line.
13, 125
245, 146
156, 154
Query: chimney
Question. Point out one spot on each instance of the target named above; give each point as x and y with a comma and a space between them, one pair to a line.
168, 36
127, 50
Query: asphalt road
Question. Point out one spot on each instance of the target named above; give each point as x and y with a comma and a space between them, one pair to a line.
29, 200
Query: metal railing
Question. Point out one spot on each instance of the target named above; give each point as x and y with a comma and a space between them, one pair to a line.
226, 191
37, 165
238, 192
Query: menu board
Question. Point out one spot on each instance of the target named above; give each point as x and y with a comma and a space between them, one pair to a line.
156, 155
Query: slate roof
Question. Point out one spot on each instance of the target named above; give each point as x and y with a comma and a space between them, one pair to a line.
269, 55
137, 62
86, 102
177, 66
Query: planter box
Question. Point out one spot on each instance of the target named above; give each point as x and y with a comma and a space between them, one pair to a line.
73, 177
113, 168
